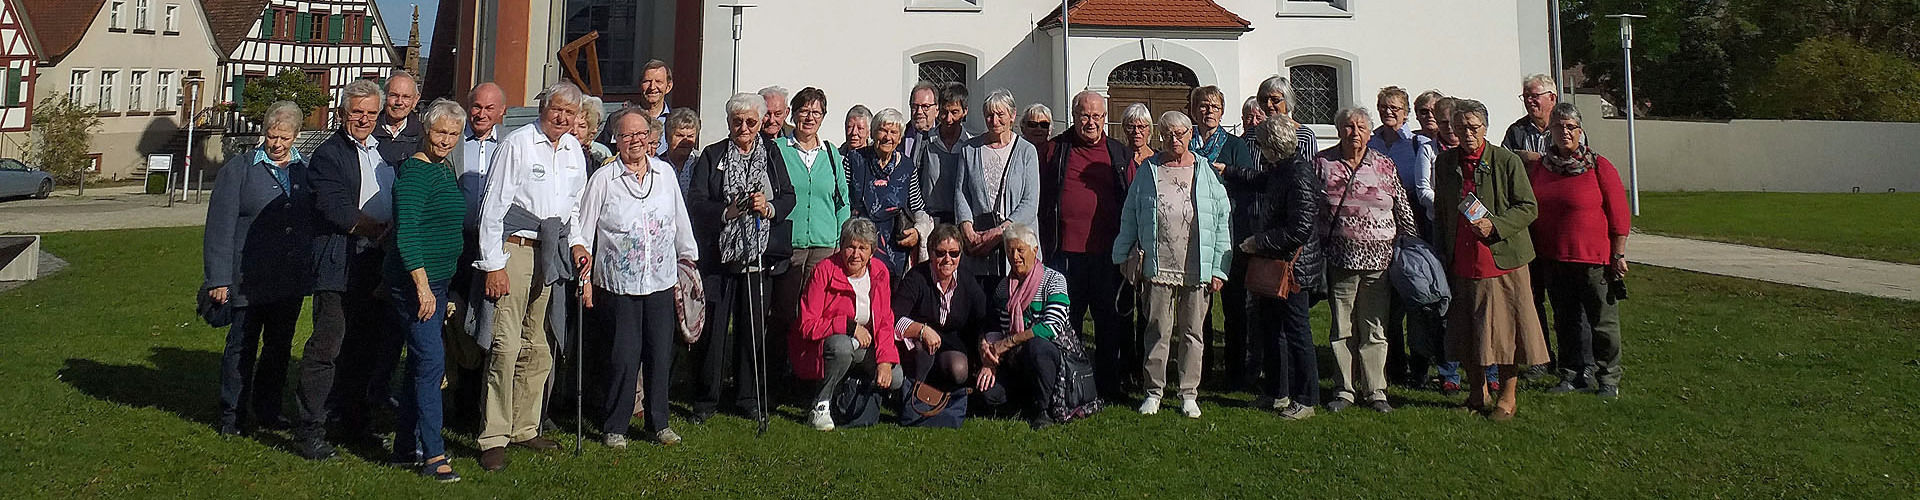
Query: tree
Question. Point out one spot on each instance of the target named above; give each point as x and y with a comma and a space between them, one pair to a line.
65, 133
1837, 79
289, 85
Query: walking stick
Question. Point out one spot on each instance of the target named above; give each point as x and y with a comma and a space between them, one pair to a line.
579, 350
757, 323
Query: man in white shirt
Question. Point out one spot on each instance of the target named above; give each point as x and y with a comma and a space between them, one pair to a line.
486, 106
535, 181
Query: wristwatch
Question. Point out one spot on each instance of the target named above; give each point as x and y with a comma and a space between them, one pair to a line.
1619, 256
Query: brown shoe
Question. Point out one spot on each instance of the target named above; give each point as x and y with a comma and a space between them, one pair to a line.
538, 443
494, 458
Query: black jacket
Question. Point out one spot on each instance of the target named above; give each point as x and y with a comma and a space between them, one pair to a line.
1053, 174
395, 148
1284, 216
334, 170
917, 297
254, 228
707, 205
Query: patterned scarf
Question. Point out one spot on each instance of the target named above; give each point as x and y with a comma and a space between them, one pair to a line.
1209, 145
1021, 293
1569, 165
744, 239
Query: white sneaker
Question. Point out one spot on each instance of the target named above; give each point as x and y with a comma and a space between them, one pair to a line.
666, 437
821, 419
1190, 408
1150, 406
616, 441
1269, 403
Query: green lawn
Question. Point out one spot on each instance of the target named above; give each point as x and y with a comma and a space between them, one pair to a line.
1733, 389
1880, 226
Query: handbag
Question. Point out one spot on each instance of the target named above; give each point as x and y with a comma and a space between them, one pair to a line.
690, 301
1272, 278
855, 403
216, 314
928, 406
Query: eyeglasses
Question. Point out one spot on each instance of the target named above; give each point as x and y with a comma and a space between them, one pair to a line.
809, 113
1569, 127
1395, 109
1535, 96
1039, 124
633, 135
925, 106
946, 254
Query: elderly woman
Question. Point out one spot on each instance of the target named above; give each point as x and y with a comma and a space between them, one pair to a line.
259, 220
1366, 211
1423, 112
1483, 241
429, 213
820, 205
1036, 126
739, 195
999, 186
846, 318
1044, 360
1137, 122
1251, 116
857, 126
1408, 152
1284, 228
683, 144
587, 127
885, 188
1580, 239
633, 231
1176, 235
941, 315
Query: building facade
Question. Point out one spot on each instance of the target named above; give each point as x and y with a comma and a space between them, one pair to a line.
133, 59
20, 58
332, 42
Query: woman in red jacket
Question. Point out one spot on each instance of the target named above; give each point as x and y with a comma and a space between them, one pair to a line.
846, 318
1581, 243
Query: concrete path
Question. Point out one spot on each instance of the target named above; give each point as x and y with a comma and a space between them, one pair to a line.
1866, 277
103, 208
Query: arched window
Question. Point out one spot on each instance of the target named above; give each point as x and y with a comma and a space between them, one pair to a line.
1153, 74
943, 71
1316, 90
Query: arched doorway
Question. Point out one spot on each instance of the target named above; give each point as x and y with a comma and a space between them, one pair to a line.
1162, 85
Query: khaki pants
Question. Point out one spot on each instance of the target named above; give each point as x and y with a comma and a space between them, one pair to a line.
1175, 314
520, 361
1360, 298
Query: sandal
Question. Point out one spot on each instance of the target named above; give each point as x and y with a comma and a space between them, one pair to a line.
433, 470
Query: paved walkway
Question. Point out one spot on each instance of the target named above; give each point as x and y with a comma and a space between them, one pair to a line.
1866, 277
103, 208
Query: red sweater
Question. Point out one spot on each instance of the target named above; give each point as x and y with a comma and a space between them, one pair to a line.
1579, 215
827, 306
1090, 199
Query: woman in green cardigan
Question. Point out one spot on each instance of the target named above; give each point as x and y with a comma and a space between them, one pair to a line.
819, 176
429, 212
1485, 204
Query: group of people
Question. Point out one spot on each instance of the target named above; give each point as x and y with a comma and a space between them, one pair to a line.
916, 263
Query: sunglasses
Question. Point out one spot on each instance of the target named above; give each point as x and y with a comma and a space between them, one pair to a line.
946, 254
1039, 124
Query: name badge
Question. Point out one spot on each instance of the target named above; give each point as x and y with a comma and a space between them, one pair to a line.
880, 183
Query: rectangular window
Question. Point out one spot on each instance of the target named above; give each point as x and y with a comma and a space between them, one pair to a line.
163, 90
107, 79
172, 21
136, 88
77, 87
13, 87
140, 10
319, 31
113, 14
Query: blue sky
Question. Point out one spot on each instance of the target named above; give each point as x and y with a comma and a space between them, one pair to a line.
399, 13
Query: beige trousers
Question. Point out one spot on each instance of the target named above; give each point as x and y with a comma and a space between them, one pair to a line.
1360, 300
1175, 313
520, 360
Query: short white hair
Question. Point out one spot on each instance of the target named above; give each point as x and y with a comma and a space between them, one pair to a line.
746, 102
1252, 105
1023, 233
283, 113
889, 116
1538, 80
1136, 113
1037, 109
1084, 94
361, 89
1277, 84
774, 92
859, 112
446, 110
1170, 120
1001, 98
590, 108
1340, 117
560, 92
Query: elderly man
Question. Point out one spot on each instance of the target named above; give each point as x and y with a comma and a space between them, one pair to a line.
656, 81
1528, 136
399, 131
1250, 118
486, 107
924, 110
532, 189
1083, 183
939, 158
352, 197
1233, 159
774, 125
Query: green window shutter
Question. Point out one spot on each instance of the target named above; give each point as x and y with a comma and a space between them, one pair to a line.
13, 87
366, 30
266, 25
239, 91
303, 27
335, 27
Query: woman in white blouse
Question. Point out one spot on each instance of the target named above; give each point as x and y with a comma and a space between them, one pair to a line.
634, 221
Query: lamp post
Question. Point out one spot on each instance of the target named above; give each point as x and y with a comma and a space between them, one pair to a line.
193, 115
1066, 43
739, 24
1559, 63
1633, 157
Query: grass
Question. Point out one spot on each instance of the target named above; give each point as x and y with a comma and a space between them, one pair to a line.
1880, 226
1734, 389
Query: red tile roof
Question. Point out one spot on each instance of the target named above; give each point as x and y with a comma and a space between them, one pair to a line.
1201, 14
59, 24
230, 21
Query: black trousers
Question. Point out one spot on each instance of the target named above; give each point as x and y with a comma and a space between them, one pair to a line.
639, 335
1243, 354
1033, 374
250, 384
723, 349
349, 328
1093, 280
1292, 363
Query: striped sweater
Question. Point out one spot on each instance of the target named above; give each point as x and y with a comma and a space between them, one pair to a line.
428, 212
1047, 316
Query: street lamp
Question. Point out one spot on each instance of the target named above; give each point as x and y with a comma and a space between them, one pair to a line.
193, 115
1633, 157
739, 24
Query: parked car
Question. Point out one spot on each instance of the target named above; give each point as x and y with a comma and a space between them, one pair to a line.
19, 179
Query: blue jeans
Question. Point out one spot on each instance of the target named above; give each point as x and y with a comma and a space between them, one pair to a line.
420, 418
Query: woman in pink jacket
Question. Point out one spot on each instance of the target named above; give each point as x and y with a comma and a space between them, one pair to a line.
846, 318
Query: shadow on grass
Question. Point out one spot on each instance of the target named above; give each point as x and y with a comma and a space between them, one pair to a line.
183, 382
